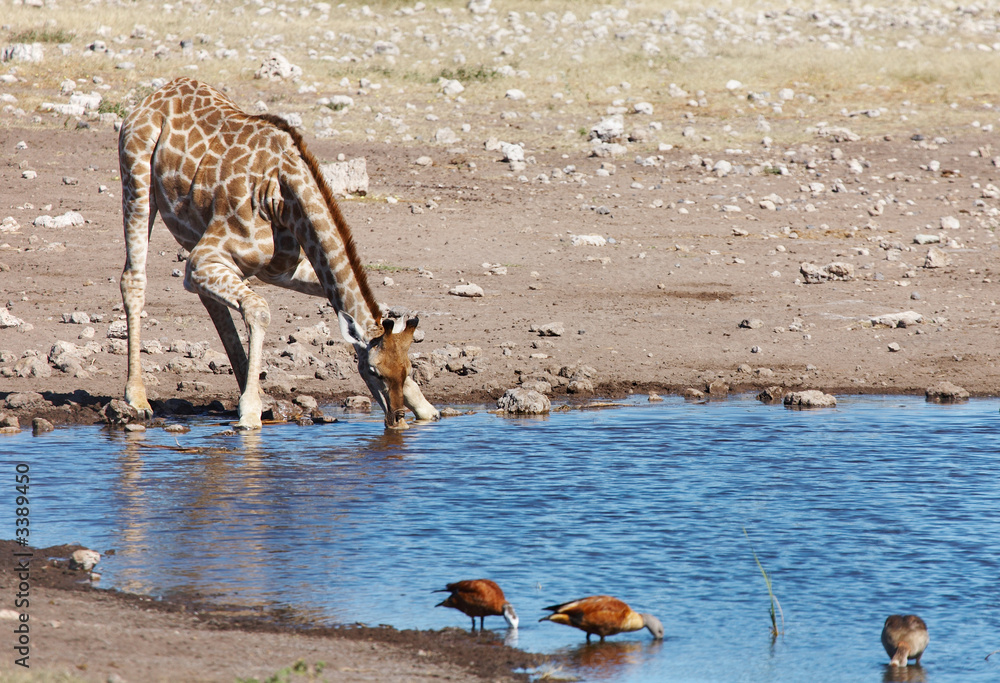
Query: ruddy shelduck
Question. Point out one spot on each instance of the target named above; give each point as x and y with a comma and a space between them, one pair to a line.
603, 615
478, 598
904, 637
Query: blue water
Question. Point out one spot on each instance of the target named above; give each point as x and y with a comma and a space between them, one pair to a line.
883, 505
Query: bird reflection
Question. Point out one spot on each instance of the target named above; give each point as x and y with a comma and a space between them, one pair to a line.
914, 673
608, 660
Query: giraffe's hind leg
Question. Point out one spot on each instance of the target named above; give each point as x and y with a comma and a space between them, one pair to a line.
138, 214
223, 320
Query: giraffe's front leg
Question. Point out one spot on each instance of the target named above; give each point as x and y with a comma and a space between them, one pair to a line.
217, 281
257, 317
415, 401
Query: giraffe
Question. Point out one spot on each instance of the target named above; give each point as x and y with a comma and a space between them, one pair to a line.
246, 198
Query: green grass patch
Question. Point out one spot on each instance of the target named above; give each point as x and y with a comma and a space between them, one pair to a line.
33, 35
480, 74
299, 671
108, 107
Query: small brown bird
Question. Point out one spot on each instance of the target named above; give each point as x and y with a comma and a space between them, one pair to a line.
478, 598
904, 637
603, 615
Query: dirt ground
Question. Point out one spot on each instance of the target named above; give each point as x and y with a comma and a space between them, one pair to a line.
660, 309
78, 632
701, 282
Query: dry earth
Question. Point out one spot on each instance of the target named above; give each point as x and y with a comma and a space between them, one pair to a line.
709, 207
79, 633
660, 309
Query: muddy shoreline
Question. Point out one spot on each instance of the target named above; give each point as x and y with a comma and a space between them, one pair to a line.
63, 602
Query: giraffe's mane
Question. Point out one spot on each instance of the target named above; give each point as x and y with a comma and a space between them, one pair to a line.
343, 229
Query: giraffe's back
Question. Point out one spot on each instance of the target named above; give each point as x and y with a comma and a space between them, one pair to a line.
211, 163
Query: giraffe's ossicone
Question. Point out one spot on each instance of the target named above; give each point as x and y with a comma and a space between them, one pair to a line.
246, 198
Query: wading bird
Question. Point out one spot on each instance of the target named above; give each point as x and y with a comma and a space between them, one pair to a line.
478, 598
904, 637
603, 615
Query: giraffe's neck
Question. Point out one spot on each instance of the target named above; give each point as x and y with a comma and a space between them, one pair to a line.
342, 275
325, 236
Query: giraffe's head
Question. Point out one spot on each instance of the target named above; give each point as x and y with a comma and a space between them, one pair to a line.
384, 363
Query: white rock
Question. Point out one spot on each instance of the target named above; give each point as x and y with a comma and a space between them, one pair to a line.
118, 330
643, 108
84, 559
936, 258
524, 401
7, 319
478, 6
338, 102
445, 136
786, 94
515, 94
277, 67
722, 168
904, 319
810, 399
588, 240
512, 152
466, 290
347, 177
733, 84
452, 87
950, 223
63, 109
22, 52
89, 102
610, 129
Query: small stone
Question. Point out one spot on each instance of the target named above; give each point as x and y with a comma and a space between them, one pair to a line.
307, 402
587, 240
40, 425
718, 388
654, 397
950, 223
772, 394
553, 329
467, 290
810, 398
751, 323
904, 319
523, 402
84, 559
118, 413
936, 258
894, 347
357, 404
946, 392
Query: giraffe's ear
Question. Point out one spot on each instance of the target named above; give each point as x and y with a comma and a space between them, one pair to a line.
350, 330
